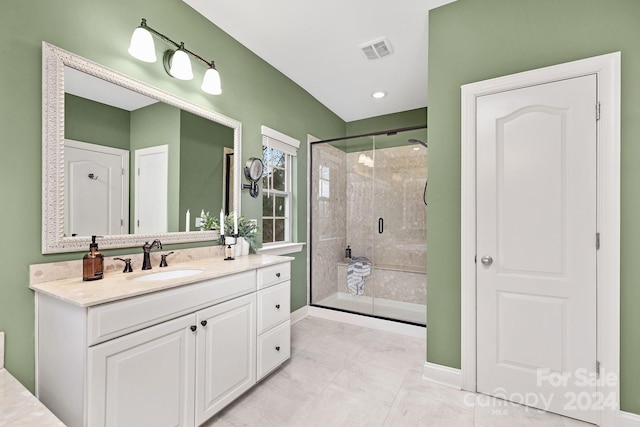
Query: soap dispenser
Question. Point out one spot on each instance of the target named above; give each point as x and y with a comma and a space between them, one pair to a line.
92, 262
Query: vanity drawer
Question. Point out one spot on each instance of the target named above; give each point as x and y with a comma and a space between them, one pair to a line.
268, 276
273, 305
115, 319
274, 347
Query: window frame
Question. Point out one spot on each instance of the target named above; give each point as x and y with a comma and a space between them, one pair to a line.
287, 194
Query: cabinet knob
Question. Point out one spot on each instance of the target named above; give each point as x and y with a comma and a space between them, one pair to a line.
203, 323
277, 274
277, 306
277, 348
193, 328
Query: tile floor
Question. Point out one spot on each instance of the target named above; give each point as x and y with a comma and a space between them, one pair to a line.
345, 375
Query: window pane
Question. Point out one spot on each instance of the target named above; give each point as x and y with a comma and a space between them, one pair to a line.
273, 157
267, 231
278, 179
280, 205
267, 205
279, 232
277, 158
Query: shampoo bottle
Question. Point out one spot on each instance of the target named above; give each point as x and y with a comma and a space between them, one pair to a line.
92, 262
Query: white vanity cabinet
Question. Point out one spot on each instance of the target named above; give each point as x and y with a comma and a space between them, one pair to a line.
225, 354
274, 325
173, 357
144, 378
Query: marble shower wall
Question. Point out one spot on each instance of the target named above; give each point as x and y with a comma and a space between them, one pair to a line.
399, 175
329, 218
346, 207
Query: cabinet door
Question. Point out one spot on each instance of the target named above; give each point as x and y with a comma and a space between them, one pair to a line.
145, 378
225, 354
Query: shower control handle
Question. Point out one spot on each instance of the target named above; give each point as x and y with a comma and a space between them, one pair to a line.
486, 260
380, 225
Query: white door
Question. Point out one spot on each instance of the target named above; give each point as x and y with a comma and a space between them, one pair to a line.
225, 354
144, 378
96, 188
152, 182
536, 245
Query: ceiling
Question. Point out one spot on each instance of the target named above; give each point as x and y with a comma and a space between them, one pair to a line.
316, 44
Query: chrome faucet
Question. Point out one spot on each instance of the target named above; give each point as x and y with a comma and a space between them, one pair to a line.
146, 248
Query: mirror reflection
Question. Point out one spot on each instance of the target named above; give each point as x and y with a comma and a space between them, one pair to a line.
178, 160
127, 161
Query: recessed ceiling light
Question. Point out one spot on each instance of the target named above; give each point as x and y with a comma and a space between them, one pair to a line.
379, 94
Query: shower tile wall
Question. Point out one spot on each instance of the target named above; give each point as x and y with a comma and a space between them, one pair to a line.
400, 175
345, 211
329, 216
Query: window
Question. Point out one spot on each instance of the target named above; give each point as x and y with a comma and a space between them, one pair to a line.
277, 152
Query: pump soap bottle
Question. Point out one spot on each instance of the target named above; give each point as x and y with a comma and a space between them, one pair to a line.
92, 262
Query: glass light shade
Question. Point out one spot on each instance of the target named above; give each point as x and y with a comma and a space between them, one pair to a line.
181, 65
211, 82
142, 46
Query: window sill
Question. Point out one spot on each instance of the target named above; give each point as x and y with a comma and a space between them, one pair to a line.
281, 249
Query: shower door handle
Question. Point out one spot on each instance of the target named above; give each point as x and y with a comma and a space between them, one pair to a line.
380, 225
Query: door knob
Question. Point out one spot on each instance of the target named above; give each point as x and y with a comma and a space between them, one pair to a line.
486, 260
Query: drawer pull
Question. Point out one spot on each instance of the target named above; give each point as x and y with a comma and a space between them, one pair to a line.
193, 328
203, 323
277, 348
277, 274
277, 306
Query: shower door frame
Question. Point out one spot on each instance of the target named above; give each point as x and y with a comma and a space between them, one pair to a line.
312, 141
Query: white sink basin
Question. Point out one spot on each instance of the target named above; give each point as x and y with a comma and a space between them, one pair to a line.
166, 275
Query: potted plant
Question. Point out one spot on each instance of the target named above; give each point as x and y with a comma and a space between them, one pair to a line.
247, 229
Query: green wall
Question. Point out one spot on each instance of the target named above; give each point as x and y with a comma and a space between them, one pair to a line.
471, 41
254, 93
202, 145
417, 117
96, 123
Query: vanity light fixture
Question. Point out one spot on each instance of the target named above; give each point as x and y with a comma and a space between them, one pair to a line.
176, 61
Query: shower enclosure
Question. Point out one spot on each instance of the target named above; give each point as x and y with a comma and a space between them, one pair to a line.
368, 200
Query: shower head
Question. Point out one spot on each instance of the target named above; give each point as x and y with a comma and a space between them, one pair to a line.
417, 141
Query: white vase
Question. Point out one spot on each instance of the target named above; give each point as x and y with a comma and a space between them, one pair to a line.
241, 247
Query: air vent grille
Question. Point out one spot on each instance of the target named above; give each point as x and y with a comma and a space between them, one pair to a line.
377, 48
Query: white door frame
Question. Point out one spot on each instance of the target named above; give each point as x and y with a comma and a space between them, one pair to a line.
607, 69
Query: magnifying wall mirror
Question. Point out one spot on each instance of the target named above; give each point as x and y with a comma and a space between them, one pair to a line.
253, 170
187, 178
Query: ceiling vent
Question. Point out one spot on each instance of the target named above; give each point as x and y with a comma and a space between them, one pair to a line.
377, 48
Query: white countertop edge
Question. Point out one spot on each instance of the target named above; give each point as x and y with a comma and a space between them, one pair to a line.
281, 249
118, 286
20, 407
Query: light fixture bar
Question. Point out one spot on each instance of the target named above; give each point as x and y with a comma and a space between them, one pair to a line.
180, 46
177, 45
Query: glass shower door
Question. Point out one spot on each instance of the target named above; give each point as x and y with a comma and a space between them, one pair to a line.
367, 195
340, 208
399, 249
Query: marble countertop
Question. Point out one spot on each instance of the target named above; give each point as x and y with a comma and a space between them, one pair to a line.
116, 286
18, 407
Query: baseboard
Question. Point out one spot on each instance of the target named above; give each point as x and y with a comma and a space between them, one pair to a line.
299, 314
442, 375
627, 419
